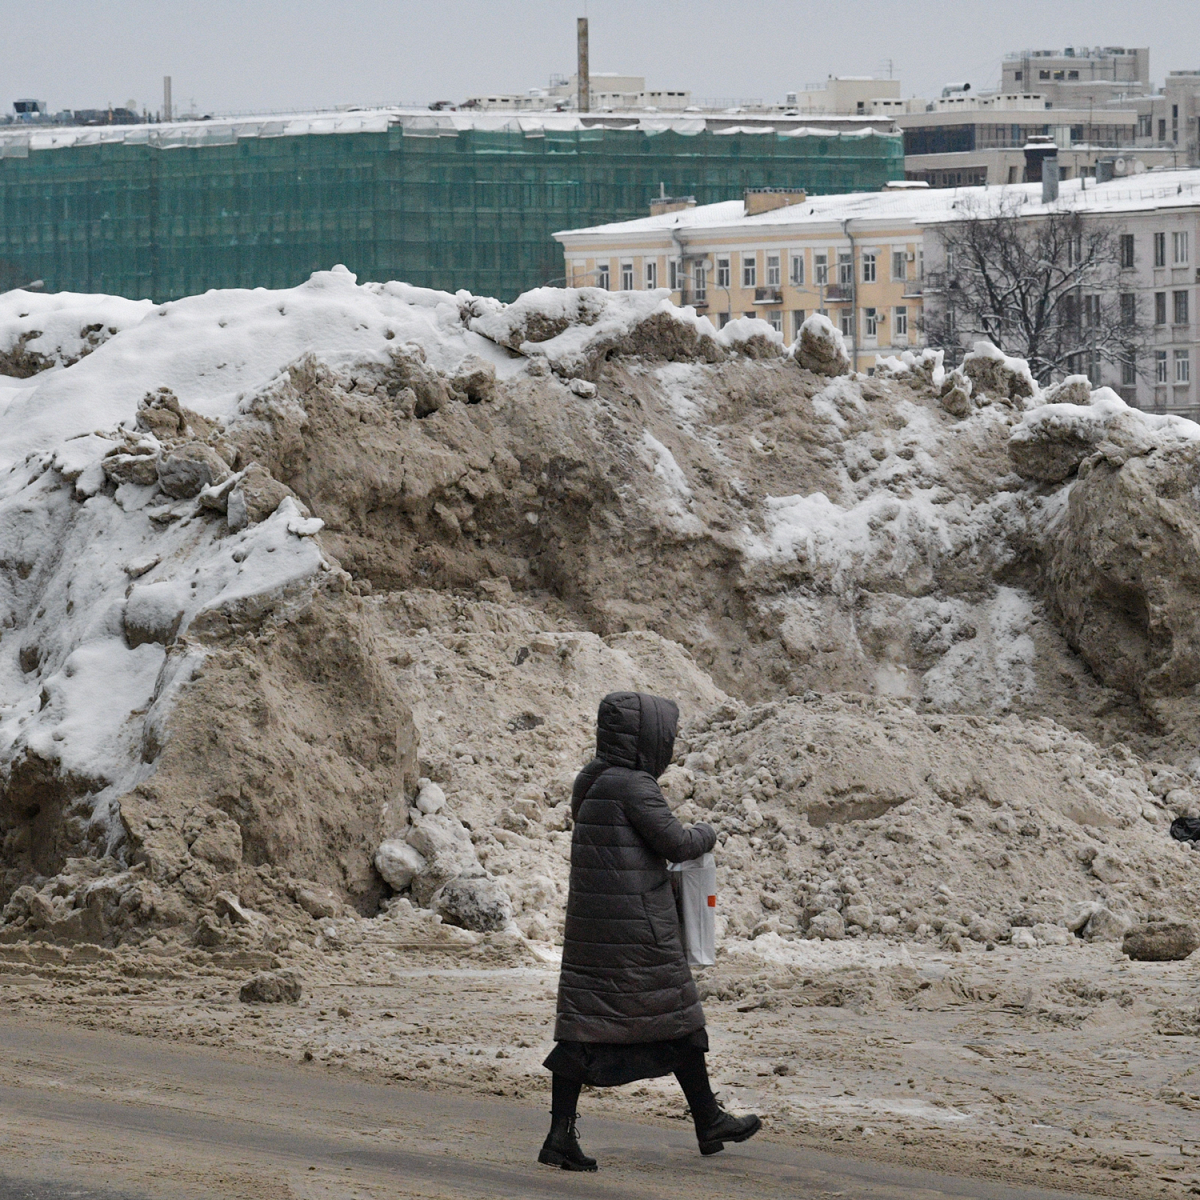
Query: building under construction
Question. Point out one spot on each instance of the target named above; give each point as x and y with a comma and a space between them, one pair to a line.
441, 199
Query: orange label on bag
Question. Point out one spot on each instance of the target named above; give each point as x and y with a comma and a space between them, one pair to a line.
712, 902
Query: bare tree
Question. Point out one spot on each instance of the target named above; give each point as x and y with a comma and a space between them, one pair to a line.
1044, 288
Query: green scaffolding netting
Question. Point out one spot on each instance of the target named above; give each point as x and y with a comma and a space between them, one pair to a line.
470, 209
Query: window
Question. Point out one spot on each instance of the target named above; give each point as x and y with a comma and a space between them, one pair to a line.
821, 268
920, 264
773, 276
1160, 249
1162, 129
796, 274
1128, 369
1160, 366
1179, 248
775, 319
1183, 367
846, 320
868, 266
899, 322
749, 271
1181, 308
602, 275
797, 320
845, 268
700, 283
870, 322
1074, 251
1091, 311
673, 274
724, 319
627, 277
723, 271
1160, 308
899, 264
1126, 251
1128, 308
651, 275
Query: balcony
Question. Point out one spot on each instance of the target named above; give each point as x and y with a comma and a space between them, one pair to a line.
839, 291
768, 295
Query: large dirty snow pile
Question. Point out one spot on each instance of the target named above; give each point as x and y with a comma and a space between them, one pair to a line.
310, 595
576, 330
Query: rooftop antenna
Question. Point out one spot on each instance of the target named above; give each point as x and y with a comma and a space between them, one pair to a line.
581, 70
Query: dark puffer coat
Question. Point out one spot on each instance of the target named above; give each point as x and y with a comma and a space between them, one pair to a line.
625, 978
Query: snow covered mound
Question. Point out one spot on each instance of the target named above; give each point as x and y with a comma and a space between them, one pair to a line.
40, 331
575, 330
821, 348
846, 813
270, 559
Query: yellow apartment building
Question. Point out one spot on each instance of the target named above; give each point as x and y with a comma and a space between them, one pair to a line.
777, 255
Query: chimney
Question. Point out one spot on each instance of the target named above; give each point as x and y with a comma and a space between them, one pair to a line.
669, 204
760, 200
581, 69
1050, 180
166, 113
1039, 148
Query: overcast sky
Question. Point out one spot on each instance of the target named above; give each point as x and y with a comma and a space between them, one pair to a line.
261, 55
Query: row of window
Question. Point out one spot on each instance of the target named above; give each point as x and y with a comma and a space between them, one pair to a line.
842, 265
1180, 249
1183, 367
1179, 307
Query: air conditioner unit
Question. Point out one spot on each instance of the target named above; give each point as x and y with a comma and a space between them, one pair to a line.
910, 257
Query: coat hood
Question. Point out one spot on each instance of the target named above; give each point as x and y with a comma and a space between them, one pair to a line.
637, 731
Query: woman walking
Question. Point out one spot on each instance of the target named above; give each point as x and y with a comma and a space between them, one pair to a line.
627, 1006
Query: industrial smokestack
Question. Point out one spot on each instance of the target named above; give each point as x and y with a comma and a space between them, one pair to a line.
166, 113
581, 70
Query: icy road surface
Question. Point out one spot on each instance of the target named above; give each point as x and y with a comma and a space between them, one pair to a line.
82, 1110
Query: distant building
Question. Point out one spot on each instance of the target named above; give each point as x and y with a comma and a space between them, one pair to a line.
1079, 76
1095, 103
777, 255
850, 95
615, 93
865, 261
440, 199
967, 140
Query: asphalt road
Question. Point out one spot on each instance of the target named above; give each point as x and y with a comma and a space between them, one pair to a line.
98, 1116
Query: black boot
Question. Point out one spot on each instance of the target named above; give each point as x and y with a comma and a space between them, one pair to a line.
562, 1149
716, 1127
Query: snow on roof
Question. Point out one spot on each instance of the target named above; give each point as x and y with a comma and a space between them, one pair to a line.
17, 141
917, 206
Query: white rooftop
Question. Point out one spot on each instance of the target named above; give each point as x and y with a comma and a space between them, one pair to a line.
1150, 190
16, 141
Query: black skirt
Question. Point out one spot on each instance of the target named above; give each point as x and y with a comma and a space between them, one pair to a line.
610, 1064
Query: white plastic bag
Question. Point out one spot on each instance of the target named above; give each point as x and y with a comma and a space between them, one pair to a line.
697, 900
